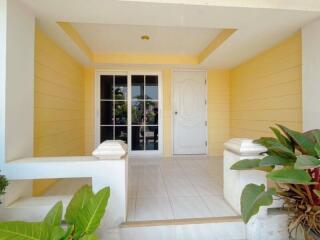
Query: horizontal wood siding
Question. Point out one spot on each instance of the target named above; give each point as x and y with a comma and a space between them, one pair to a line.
267, 90
59, 103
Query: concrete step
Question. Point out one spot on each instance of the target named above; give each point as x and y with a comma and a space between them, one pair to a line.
221, 228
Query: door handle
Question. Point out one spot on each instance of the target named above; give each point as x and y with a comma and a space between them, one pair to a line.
176, 113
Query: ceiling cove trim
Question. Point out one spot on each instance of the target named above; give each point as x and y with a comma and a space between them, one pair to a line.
215, 43
76, 38
124, 58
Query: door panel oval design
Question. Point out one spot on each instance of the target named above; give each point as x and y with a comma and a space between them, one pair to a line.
189, 101
189, 96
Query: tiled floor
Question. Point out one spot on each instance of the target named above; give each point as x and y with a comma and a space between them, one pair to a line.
176, 188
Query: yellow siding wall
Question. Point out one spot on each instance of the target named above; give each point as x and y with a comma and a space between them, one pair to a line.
218, 110
267, 90
89, 101
59, 104
167, 137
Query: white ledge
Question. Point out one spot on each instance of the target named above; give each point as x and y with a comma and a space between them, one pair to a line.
110, 150
244, 147
58, 167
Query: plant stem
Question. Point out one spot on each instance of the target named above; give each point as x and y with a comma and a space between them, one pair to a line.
296, 190
306, 187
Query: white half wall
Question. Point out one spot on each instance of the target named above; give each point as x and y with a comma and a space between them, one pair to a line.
19, 81
311, 75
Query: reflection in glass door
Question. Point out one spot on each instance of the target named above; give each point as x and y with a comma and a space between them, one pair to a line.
139, 97
144, 112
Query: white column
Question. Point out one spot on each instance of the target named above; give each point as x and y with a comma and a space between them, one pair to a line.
17, 29
262, 226
3, 30
311, 75
234, 181
115, 154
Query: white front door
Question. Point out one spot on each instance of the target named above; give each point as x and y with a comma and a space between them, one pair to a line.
189, 112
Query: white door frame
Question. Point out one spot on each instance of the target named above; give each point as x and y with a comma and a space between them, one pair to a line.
172, 105
128, 73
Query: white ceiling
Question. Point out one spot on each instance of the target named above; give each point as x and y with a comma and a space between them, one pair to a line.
112, 38
258, 28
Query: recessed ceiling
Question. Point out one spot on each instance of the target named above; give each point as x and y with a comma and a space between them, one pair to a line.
259, 26
112, 38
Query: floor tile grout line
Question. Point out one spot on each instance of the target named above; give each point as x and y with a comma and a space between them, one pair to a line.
170, 201
163, 177
189, 180
199, 194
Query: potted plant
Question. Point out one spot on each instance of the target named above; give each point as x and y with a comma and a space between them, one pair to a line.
82, 218
3, 185
292, 163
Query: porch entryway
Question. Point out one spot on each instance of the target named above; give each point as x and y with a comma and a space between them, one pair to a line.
181, 187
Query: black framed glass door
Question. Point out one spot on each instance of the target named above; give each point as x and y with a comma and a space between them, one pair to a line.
113, 107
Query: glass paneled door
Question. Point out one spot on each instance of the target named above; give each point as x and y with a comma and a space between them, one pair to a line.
113, 107
129, 110
144, 112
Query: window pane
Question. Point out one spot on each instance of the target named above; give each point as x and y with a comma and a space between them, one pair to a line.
106, 133
151, 113
120, 90
120, 113
106, 87
137, 82
137, 138
121, 133
137, 112
151, 137
106, 113
151, 87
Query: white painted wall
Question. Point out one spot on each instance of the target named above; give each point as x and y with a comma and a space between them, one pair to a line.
3, 23
19, 81
311, 75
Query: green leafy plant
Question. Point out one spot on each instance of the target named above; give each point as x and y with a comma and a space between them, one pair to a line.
3, 185
292, 163
83, 217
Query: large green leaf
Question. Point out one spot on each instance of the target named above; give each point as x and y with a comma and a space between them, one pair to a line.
316, 135
274, 160
252, 198
246, 164
57, 233
289, 175
250, 164
89, 237
79, 200
24, 231
304, 144
275, 147
306, 162
69, 232
282, 139
54, 216
89, 217
317, 149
